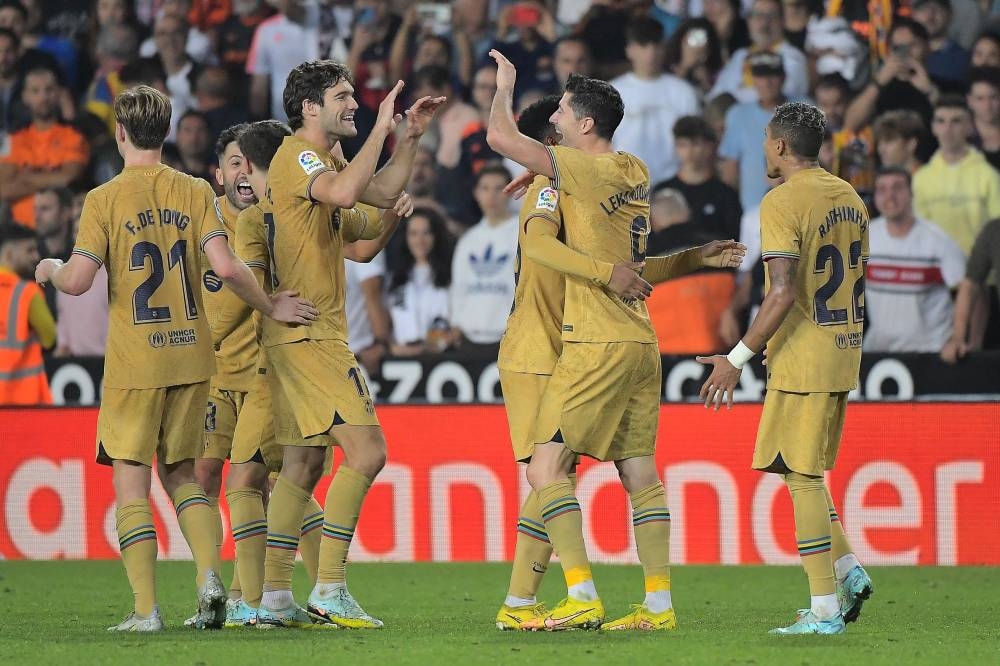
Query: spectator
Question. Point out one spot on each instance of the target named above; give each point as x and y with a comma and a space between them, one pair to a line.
766, 34
280, 44
193, 144
653, 101
797, 15
897, 136
82, 326
189, 38
913, 266
116, 46
180, 69
215, 99
694, 54
14, 17
62, 50
947, 62
375, 27
727, 19
25, 320
54, 222
482, 273
714, 206
424, 177
742, 149
716, 110
208, 14
853, 153
418, 291
9, 47
47, 153
415, 46
986, 51
901, 82
571, 56
531, 48
973, 290
368, 321
984, 102
603, 30
686, 311
146, 71
958, 188
235, 34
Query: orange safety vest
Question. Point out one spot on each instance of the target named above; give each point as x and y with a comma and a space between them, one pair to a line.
22, 370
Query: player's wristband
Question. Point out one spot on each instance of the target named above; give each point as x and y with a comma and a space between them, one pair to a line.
740, 355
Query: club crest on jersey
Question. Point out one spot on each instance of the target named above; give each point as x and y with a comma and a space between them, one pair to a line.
211, 281
548, 199
310, 161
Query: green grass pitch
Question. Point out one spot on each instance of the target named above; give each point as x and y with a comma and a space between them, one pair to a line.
57, 612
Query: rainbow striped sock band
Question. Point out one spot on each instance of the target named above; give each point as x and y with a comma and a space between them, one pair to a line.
282, 541
251, 529
814, 546
530, 528
193, 500
136, 535
339, 532
833, 516
655, 515
309, 523
559, 507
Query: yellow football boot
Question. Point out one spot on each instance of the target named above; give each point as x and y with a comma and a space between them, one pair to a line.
512, 618
641, 619
568, 614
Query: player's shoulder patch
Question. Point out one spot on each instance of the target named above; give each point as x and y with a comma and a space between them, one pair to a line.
548, 199
310, 162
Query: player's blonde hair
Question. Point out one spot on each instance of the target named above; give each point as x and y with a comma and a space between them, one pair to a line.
144, 112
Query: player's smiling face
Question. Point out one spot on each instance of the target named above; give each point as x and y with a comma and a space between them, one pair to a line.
565, 122
337, 113
232, 175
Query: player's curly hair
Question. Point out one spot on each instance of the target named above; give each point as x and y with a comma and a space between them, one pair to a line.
226, 137
260, 141
534, 121
308, 82
802, 127
598, 100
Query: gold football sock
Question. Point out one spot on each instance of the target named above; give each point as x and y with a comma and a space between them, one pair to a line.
198, 526
532, 551
137, 541
560, 512
310, 537
812, 530
284, 523
651, 525
246, 511
840, 546
343, 504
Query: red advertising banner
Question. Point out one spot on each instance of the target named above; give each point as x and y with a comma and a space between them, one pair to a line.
914, 484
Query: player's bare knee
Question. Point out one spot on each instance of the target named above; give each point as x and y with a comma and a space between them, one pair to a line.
175, 475
208, 475
637, 473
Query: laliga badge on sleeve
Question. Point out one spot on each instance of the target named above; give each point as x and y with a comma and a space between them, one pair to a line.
310, 161
548, 199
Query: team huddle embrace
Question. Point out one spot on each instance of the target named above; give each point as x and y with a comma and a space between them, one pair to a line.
241, 309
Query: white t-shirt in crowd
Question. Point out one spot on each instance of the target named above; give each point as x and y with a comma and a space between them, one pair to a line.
482, 280
908, 300
417, 306
732, 78
651, 109
280, 45
198, 46
359, 327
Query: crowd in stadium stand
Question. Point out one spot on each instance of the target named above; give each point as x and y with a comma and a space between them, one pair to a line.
910, 88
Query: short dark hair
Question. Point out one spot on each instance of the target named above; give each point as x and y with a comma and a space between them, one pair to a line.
12, 232
143, 70
571, 38
837, 81
952, 101
15, 5
905, 23
493, 169
801, 126
694, 127
309, 82
226, 137
534, 121
987, 75
901, 123
895, 171
598, 100
259, 141
433, 76
64, 195
12, 36
643, 30
193, 113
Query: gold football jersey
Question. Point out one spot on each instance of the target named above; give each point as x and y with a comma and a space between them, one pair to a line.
251, 247
305, 241
236, 353
533, 339
606, 216
150, 225
820, 220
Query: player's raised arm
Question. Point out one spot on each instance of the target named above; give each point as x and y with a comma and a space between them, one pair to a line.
364, 250
717, 254
502, 133
387, 185
345, 188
